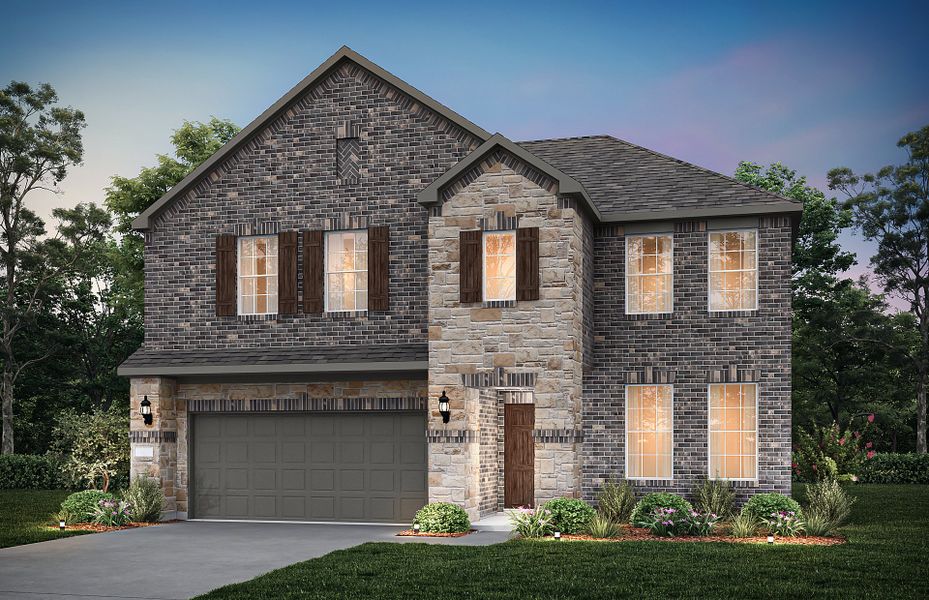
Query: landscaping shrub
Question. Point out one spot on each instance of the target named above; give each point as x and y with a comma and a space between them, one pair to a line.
112, 513
826, 452
81, 506
714, 496
666, 522
762, 506
645, 509
701, 523
896, 468
816, 524
30, 472
442, 517
785, 523
616, 501
145, 497
829, 502
531, 522
570, 515
602, 526
743, 525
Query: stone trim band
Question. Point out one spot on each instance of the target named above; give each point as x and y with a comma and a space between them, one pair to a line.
305, 404
733, 375
498, 378
558, 436
450, 436
153, 437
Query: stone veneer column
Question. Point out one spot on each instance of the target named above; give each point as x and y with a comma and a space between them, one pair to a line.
153, 448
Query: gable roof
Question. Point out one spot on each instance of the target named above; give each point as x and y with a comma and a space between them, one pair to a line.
631, 183
431, 194
143, 221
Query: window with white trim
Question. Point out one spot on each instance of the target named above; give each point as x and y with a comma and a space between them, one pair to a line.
649, 431
733, 268
257, 270
347, 270
649, 274
499, 265
733, 451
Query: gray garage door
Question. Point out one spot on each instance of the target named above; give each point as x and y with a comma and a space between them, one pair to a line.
309, 467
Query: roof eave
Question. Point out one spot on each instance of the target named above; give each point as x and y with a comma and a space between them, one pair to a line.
143, 221
770, 208
272, 368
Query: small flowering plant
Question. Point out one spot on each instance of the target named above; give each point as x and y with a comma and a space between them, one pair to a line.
531, 522
667, 522
112, 513
784, 523
698, 523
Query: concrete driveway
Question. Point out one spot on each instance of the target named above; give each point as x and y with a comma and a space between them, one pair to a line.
180, 560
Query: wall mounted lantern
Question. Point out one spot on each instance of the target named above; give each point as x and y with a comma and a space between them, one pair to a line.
145, 409
444, 408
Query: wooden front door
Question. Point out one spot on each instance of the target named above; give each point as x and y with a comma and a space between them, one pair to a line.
518, 455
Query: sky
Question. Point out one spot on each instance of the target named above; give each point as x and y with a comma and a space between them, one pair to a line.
814, 85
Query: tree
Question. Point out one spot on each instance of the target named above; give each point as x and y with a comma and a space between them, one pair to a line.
94, 447
891, 207
39, 142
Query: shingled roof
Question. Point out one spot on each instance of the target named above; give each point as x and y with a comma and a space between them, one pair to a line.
252, 361
631, 183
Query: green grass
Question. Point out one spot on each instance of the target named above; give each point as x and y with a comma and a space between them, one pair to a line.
26, 514
885, 558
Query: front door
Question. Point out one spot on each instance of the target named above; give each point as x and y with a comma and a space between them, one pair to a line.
518, 455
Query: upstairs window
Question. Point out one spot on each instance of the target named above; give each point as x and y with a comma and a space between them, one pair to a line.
733, 270
733, 430
257, 275
649, 274
499, 265
347, 271
649, 431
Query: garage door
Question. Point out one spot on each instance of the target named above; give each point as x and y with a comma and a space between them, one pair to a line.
309, 467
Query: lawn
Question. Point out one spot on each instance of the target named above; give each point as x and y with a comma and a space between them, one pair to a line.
885, 558
26, 514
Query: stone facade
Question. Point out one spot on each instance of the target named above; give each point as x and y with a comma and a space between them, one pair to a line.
690, 348
541, 339
173, 403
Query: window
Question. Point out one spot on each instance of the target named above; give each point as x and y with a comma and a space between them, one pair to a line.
649, 431
500, 265
649, 274
733, 270
257, 275
733, 430
347, 271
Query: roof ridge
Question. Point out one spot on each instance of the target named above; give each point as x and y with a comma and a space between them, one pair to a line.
572, 137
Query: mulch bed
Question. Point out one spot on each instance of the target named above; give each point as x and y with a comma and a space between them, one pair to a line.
411, 533
102, 528
639, 534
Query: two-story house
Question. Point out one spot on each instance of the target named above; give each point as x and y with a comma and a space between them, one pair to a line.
360, 254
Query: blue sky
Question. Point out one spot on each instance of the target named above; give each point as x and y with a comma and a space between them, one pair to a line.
814, 85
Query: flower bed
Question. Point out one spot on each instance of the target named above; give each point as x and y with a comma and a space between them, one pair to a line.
414, 533
97, 528
642, 534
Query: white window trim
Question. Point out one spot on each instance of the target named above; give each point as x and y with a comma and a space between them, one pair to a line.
626, 280
326, 272
709, 272
626, 432
709, 431
238, 275
484, 235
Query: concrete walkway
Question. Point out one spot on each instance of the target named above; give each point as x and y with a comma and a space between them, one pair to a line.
179, 560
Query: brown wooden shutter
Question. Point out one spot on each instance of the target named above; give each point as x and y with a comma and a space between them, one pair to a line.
226, 273
287, 273
313, 272
471, 267
527, 263
378, 267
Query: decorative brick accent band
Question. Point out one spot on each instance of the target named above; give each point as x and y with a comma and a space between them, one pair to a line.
689, 226
257, 228
306, 404
153, 437
733, 375
650, 375
498, 303
499, 223
558, 436
518, 397
646, 317
450, 436
498, 378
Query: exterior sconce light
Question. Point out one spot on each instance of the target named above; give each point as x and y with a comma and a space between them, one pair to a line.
61, 524
770, 539
558, 535
444, 408
145, 409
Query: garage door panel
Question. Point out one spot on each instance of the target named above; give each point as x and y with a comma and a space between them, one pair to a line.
341, 467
